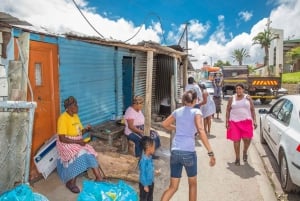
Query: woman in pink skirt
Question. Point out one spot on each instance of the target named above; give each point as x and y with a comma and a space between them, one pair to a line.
240, 121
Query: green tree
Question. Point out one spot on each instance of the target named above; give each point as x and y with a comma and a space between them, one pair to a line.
251, 69
221, 63
239, 55
264, 40
293, 55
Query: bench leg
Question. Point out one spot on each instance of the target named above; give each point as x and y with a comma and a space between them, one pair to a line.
124, 142
127, 146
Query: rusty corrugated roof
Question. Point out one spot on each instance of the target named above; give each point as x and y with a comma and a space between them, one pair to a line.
142, 46
6, 18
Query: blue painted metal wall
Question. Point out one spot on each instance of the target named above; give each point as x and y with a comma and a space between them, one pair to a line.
36, 36
92, 74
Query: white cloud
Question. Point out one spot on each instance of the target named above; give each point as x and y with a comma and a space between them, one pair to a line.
59, 16
245, 15
221, 17
197, 30
219, 34
285, 16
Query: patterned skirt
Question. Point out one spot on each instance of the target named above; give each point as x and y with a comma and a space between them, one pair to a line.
80, 164
74, 159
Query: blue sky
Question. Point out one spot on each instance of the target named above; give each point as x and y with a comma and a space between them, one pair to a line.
216, 28
239, 16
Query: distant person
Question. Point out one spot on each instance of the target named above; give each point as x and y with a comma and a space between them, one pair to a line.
291, 68
192, 85
217, 83
185, 121
146, 166
240, 121
207, 107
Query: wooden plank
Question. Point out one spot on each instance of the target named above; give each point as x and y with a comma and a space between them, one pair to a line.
148, 94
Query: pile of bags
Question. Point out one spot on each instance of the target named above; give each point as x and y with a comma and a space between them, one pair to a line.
105, 191
22, 192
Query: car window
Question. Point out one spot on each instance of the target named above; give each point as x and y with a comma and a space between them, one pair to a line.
208, 84
285, 112
276, 108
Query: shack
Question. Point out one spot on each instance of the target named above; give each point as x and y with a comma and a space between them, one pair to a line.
42, 69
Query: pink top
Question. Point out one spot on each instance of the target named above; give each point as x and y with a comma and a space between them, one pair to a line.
240, 109
138, 119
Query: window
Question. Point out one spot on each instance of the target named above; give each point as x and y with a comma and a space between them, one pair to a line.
38, 74
284, 114
276, 108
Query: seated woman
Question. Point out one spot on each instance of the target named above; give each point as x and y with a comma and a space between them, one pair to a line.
134, 125
75, 155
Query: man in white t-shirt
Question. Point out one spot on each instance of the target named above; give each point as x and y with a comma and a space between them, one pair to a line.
192, 85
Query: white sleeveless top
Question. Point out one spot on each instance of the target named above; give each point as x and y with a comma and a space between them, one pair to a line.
240, 109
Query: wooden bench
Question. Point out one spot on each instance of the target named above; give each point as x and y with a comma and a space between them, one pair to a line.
128, 147
109, 131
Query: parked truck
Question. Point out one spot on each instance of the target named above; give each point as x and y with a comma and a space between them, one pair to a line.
264, 88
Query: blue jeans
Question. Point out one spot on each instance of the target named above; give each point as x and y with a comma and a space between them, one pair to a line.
136, 138
180, 159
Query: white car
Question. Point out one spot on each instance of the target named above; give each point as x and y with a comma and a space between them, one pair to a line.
280, 129
209, 87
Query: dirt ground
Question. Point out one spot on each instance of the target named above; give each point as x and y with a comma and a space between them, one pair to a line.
55, 190
162, 164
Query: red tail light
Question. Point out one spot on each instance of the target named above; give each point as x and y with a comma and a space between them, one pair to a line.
298, 148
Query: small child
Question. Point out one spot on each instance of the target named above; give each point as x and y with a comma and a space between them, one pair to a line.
146, 166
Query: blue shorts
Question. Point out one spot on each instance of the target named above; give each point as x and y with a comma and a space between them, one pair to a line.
185, 159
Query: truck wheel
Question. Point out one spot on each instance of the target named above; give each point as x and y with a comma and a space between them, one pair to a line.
265, 101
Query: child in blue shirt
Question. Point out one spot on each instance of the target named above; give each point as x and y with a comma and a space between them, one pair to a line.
146, 183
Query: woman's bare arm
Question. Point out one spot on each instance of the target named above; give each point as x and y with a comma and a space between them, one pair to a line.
168, 123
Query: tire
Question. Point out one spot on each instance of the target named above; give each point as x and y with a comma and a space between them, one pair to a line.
285, 178
261, 137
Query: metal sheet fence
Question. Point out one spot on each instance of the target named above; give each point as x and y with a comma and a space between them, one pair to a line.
16, 121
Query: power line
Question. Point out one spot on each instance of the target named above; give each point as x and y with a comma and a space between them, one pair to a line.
144, 22
87, 19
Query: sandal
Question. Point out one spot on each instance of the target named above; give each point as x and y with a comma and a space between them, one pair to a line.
237, 162
73, 188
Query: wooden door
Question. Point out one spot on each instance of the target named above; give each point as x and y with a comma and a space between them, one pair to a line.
43, 76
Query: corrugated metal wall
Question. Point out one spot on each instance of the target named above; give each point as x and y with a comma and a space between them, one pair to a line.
92, 74
180, 87
163, 70
140, 73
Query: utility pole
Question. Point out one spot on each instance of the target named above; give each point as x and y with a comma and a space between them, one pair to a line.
183, 41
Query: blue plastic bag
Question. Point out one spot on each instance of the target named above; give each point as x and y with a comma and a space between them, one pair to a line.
22, 193
105, 191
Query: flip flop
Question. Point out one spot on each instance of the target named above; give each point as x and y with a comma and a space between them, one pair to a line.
73, 188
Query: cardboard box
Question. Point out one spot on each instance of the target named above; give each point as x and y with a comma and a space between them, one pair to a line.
46, 158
